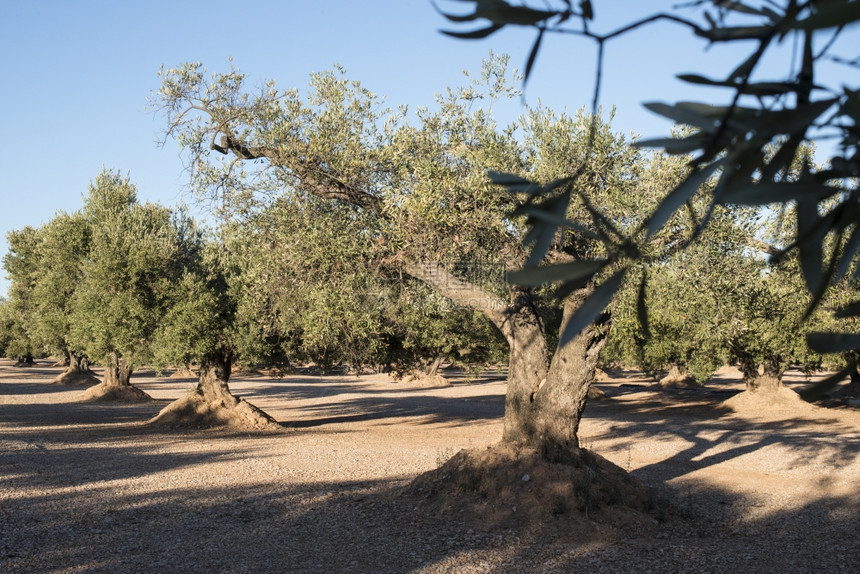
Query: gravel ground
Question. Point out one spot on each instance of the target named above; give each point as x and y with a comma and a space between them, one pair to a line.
91, 488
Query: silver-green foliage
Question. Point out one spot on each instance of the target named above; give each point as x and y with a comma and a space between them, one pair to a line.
716, 302
22, 266
748, 145
127, 273
411, 190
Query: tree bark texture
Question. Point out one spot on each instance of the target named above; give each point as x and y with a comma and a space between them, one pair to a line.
212, 382
117, 372
78, 363
550, 422
764, 377
433, 366
545, 398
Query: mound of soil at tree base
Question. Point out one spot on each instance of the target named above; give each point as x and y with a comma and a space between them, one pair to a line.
425, 381
595, 394
505, 486
678, 382
764, 401
183, 373
195, 411
75, 378
113, 394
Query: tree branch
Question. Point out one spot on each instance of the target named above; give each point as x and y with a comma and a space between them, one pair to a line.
462, 292
313, 177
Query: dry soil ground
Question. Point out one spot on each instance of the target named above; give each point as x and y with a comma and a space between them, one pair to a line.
91, 488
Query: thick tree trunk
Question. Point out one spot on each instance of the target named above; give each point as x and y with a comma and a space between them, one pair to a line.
527, 371
77, 371
544, 402
766, 377
212, 383
117, 372
433, 367
677, 373
79, 363
559, 401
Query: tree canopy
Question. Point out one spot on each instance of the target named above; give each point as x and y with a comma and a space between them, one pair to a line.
411, 196
748, 145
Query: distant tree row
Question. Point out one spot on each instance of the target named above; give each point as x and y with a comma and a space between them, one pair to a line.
125, 284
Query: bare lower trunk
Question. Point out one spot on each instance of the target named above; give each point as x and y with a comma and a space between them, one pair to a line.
212, 382
544, 406
677, 372
544, 401
79, 363
433, 367
527, 372
211, 404
117, 372
559, 403
77, 371
766, 377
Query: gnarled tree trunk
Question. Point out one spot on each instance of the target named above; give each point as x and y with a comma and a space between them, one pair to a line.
116, 385
77, 371
551, 423
211, 404
527, 371
766, 377
117, 372
212, 383
545, 398
432, 368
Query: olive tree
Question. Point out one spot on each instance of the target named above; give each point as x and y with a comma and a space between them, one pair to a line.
424, 196
63, 248
130, 266
717, 302
201, 324
22, 266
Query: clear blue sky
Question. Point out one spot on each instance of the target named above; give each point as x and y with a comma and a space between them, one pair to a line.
77, 75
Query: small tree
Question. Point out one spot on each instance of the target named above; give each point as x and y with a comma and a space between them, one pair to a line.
22, 265
130, 266
64, 247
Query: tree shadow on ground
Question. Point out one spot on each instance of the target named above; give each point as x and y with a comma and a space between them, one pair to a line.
78, 413
159, 500
35, 387
103, 525
715, 434
429, 409
819, 536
